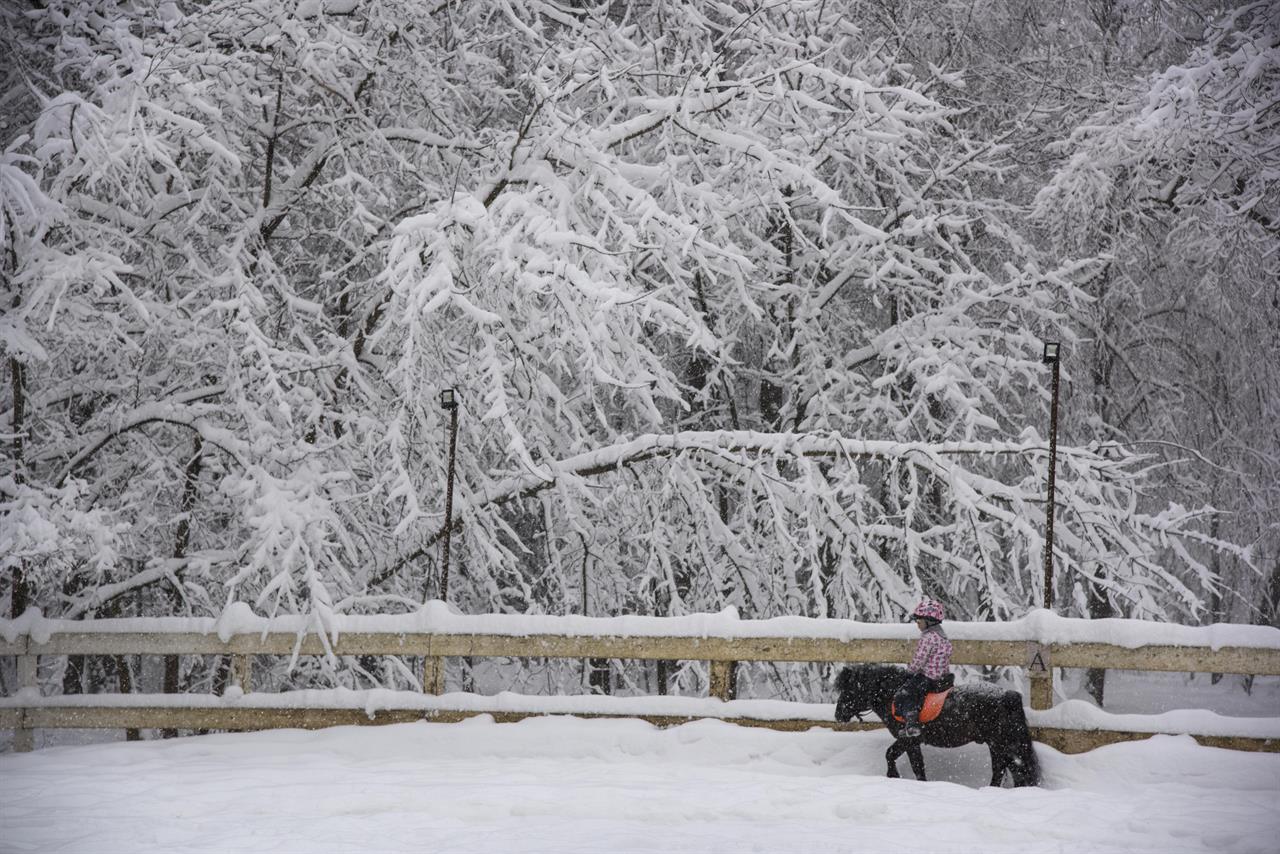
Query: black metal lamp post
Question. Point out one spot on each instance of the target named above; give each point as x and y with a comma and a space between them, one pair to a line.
1051, 349
448, 402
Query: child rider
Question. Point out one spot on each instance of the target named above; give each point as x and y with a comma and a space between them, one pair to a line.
930, 667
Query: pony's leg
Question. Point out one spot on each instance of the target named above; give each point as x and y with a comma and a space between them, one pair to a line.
916, 756
891, 755
1023, 765
999, 763
1019, 749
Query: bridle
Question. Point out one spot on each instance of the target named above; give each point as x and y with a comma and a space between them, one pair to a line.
859, 715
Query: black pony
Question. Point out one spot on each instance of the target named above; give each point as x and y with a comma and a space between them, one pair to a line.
982, 713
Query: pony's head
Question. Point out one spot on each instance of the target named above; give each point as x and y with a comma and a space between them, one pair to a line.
857, 687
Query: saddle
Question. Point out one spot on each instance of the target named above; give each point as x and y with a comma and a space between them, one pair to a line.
933, 702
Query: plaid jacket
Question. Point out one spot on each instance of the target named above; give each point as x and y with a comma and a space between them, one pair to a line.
933, 654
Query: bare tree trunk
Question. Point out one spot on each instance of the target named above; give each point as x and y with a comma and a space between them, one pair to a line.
182, 537
1095, 678
124, 678
1102, 373
598, 676
1215, 598
73, 676
19, 595
597, 668
124, 673
1269, 612
19, 592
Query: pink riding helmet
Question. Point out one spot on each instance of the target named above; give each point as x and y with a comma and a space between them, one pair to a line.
930, 609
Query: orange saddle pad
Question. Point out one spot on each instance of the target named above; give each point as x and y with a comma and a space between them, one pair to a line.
932, 706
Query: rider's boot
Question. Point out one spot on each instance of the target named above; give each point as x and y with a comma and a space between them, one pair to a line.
911, 724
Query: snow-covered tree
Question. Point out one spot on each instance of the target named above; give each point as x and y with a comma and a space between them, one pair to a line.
733, 314
1174, 184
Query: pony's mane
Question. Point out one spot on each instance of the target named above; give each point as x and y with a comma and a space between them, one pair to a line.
879, 671
868, 674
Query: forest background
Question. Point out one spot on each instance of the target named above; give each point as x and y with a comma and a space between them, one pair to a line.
744, 303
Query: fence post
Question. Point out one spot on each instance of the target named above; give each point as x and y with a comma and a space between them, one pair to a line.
432, 671
24, 738
1042, 693
242, 672
1040, 669
723, 682
433, 675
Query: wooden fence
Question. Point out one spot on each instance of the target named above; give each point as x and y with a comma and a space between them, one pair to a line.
30, 711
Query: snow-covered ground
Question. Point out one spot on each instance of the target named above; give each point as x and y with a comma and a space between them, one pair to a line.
568, 784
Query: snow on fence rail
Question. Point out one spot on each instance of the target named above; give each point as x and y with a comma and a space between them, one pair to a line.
1039, 642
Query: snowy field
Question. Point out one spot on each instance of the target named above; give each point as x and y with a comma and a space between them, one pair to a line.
569, 785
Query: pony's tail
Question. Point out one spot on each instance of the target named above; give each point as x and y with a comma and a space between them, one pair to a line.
1023, 764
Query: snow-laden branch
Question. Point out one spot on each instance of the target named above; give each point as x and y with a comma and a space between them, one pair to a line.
174, 412
776, 445
972, 488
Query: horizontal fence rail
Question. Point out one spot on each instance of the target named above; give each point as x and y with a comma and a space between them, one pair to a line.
29, 710
1226, 659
